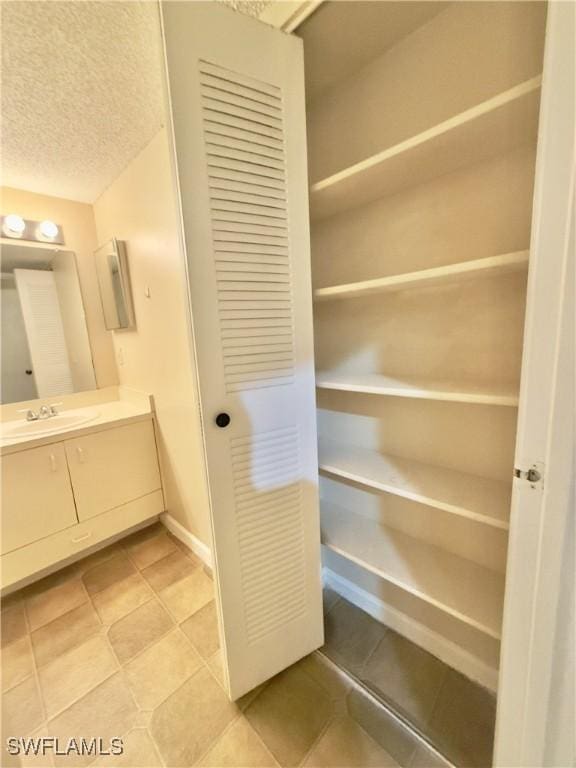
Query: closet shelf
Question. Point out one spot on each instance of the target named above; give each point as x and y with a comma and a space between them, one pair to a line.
459, 587
469, 496
452, 273
493, 127
377, 384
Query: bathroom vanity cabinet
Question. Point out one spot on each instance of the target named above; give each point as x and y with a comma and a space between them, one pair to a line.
37, 497
64, 497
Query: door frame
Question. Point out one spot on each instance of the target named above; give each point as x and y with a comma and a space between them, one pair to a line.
545, 438
288, 14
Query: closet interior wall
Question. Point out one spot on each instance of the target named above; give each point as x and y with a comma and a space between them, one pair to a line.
422, 126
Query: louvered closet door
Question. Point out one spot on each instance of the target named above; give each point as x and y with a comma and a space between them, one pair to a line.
237, 104
44, 331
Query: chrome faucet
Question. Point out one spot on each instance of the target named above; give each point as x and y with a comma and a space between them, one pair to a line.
30, 414
45, 412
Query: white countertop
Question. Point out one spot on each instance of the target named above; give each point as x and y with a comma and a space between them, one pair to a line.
110, 414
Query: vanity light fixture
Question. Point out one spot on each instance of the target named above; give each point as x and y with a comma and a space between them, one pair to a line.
13, 225
46, 231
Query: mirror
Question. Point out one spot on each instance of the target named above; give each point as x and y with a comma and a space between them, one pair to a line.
45, 345
114, 283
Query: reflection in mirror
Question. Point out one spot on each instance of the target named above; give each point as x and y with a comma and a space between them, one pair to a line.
45, 345
114, 283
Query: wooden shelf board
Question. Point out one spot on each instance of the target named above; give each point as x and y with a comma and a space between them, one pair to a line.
461, 588
493, 127
377, 384
467, 270
469, 496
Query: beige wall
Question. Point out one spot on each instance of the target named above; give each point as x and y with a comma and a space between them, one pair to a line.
139, 207
77, 221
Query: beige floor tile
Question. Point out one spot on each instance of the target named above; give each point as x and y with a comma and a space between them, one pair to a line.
346, 745
182, 546
191, 719
188, 595
148, 532
107, 711
97, 558
335, 683
238, 747
150, 550
407, 675
139, 629
64, 633
52, 603
17, 662
121, 598
290, 714
76, 672
13, 623
462, 723
161, 669
202, 629
350, 636
9, 601
55, 579
215, 663
143, 719
169, 569
21, 709
108, 573
139, 752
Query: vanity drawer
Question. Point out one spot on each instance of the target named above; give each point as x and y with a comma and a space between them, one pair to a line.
112, 467
36, 495
49, 551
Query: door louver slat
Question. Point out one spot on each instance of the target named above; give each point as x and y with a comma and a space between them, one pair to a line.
244, 140
267, 471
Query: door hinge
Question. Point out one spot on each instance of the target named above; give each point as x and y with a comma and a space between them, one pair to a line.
533, 475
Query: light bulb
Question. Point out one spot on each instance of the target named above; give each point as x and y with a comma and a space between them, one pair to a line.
14, 224
48, 229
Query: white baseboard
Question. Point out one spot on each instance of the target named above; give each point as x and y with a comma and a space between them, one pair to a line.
193, 543
431, 641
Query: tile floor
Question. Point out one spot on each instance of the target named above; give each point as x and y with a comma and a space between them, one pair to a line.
454, 713
125, 643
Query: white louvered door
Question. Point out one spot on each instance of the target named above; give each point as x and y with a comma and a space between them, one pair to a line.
237, 103
44, 331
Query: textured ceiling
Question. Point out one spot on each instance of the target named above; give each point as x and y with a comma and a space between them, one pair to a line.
81, 92
249, 7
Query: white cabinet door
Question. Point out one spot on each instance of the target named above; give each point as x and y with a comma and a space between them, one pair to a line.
36, 496
113, 467
237, 103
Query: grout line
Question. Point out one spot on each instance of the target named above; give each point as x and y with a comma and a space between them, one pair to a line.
31, 650
260, 739
155, 743
217, 738
44, 722
318, 739
76, 644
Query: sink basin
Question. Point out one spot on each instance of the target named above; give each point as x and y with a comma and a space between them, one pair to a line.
12, 430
